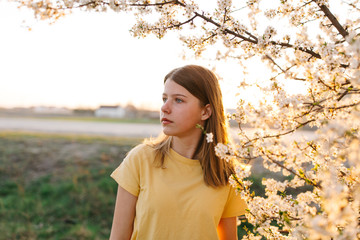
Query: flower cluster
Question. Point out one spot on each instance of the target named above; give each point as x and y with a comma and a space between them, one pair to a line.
209, 137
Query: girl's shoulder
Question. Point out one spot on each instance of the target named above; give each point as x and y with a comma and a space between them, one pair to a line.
141, 150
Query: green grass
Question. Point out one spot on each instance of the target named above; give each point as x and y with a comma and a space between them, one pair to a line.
57, 186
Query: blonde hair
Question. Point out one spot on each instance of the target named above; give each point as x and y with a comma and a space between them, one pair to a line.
203, 84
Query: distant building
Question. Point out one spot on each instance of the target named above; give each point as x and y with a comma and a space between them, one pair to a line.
110, 112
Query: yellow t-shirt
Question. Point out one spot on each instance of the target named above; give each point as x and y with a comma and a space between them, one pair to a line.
175, 202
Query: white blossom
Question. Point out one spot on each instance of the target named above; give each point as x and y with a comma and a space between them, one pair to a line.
209, 137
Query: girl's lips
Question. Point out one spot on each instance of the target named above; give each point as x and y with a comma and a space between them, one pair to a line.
165, 121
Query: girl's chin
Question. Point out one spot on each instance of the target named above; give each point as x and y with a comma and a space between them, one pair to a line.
168, 132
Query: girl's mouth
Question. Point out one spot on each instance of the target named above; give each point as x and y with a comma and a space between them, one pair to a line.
165, 121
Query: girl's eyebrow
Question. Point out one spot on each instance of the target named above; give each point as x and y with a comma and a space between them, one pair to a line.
175, 95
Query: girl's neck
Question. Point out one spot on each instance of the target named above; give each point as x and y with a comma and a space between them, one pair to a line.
185, 147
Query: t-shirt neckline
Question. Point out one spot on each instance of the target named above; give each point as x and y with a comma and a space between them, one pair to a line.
176, 156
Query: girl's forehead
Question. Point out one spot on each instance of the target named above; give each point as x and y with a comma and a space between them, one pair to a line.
173, 87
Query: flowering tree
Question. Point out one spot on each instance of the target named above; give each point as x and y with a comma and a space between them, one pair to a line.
302, 41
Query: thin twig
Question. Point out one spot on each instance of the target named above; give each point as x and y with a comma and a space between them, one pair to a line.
293, 172
284, 133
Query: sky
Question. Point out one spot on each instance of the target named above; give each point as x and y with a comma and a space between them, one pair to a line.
85, 60
89, 59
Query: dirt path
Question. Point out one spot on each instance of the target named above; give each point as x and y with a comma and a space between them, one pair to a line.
80, 127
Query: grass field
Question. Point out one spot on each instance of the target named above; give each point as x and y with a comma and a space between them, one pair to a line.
58, 186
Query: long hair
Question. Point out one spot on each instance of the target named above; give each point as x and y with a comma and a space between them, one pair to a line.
203, 84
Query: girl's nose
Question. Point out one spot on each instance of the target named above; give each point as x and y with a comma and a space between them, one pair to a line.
166, 108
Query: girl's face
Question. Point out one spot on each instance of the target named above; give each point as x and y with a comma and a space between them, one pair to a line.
181, 111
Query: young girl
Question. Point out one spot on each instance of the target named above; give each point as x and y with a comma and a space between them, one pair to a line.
176, 187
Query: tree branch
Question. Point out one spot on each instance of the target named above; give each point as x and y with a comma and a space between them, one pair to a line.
272, 60
251, 38
107, 3
282, 70
177, 25
284, 133
344, 106
333, 20
254, 40
352, 5
343, 95
307, 180
309, 51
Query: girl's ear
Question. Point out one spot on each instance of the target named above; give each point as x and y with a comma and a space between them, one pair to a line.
206, 112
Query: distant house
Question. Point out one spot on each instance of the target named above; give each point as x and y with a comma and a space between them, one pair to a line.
110, 112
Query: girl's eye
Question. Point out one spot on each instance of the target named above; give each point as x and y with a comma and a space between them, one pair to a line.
178, 100
164, 99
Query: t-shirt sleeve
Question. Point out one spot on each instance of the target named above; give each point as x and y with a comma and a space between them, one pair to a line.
127, 175
235, 205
